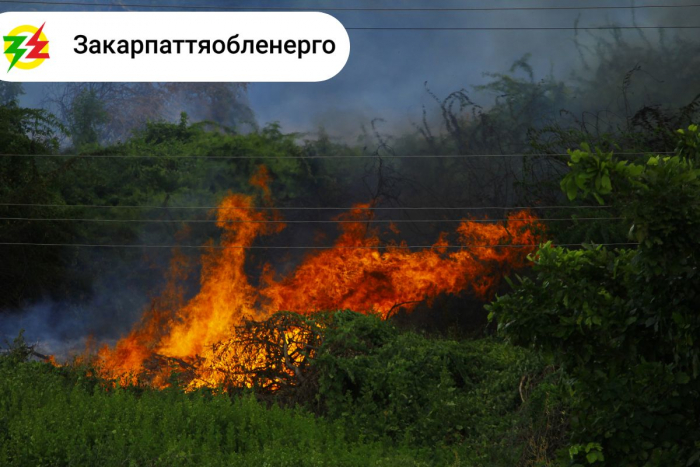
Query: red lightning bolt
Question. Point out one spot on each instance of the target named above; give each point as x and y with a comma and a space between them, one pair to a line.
37, 45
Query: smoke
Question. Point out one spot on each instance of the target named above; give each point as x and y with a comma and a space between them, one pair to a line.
52, 327
123, 285
385, 73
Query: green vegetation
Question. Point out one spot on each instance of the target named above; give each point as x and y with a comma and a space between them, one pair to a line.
623, 323
386, 398
149, 170
57, 417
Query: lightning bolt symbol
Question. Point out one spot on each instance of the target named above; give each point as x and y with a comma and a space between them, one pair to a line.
14, 48
37, 45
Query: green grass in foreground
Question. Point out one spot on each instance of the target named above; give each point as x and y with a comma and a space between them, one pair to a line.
59, 417
50, 420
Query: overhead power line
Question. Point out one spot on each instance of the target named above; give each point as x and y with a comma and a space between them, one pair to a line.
296, 221
306, 208
477, 28
341, 156
516, 28
297, 247
403, 9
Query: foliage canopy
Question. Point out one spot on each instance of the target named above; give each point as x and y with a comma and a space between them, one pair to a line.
623, 323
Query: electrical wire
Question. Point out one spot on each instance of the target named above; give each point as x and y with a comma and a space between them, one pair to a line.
403, 9
297, 247
297, 221
516, 28
307, 208
342, 156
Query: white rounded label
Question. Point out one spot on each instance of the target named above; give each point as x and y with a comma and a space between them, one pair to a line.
172, 46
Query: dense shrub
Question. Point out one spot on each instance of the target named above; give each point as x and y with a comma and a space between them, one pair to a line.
381, 397
420, 391
623, 323
49, 417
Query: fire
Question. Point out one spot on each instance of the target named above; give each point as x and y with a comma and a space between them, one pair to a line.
358, 273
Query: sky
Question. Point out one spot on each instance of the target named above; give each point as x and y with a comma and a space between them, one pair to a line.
387, 71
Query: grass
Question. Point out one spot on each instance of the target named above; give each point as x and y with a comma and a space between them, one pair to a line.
59, 416
50, 418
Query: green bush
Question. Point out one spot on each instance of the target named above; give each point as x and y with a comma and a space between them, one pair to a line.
623, 323
383, 397
49, 417
413, 390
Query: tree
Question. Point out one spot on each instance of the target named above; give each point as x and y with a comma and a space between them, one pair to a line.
10, 92
129, 106
87, 117
623, 323
27, 273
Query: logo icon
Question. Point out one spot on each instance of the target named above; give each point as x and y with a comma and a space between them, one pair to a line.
26, 47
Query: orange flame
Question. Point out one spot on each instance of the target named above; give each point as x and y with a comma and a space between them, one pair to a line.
357, 274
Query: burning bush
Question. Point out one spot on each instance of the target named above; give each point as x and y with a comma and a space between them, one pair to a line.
376, 379
273, 356
380, 396
359, 272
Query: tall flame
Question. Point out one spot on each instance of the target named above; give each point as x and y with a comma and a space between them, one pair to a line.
357, 274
